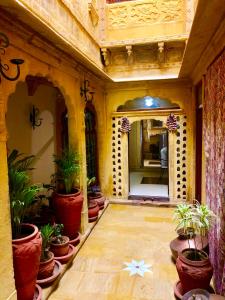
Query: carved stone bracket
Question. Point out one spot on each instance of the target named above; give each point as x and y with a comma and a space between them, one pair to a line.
105, 55
130, 54
161, 52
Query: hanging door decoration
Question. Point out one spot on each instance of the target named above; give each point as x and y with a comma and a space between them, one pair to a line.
171, 123
125, 125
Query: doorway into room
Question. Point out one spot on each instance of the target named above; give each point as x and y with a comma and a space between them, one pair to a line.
148, 159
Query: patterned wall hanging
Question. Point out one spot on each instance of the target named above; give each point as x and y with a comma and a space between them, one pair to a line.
125, 126
171, 123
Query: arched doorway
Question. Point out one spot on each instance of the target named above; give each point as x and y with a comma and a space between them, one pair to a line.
150, 108
37, 124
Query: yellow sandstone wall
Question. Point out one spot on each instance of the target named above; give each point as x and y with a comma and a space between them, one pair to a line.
146, 19
177, 92
63, 75
71, 20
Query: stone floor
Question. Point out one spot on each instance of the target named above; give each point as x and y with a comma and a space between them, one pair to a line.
124, 233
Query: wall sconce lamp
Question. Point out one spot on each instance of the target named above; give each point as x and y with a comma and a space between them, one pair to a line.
85, 91
34, 120
4, 43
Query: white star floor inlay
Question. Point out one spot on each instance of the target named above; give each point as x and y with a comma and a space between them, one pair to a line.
137, 267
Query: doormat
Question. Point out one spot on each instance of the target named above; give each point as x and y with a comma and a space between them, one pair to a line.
154, 180
148, 198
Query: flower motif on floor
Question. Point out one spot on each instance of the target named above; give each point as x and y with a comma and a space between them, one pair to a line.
137, 267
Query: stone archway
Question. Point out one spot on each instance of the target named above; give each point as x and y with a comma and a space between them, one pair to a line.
178, 180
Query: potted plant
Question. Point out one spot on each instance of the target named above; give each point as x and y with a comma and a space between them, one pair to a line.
59, 243
93, 207
93, 194
68, 200
26, 239
193, 265
182, 214
47, 262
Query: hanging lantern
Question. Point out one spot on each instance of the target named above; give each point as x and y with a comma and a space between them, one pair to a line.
171, 123
125, 125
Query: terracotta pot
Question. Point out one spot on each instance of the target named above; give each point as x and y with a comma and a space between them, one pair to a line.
181, 242
60, 249
64, 259
68, 212
93, 210
194, 274
26, 259
97, 196
46, 267
198, 293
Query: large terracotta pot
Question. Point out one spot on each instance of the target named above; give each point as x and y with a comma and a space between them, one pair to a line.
60, 249
194, 274
46, 267
68, 212
182, 242
98, 197
93, 210
26, 259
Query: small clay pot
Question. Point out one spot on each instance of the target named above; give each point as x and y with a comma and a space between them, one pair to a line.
98, 197
194, 274
46, 267
93, 210
183, 241
60, 249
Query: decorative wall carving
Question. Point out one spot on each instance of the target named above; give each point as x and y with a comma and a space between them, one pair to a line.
118, 179
149, 11
71, 20
181, 159
153, 56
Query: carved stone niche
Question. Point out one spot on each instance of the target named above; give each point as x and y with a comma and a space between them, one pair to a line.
93, 12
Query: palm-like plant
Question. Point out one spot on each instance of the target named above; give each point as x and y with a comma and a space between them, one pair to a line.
67, 168
21, 192
46, 233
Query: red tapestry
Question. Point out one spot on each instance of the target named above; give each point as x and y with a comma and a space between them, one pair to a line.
214, 139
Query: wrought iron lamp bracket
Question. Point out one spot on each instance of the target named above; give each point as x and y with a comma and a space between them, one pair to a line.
4, 43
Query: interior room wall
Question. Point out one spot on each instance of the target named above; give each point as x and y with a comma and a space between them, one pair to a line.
135, 146
40, 141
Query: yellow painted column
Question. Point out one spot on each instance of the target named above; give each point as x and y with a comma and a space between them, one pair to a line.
77, 140
6, 260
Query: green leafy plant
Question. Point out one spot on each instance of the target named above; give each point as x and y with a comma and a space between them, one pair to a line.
90, 183
67, 169
21, 191
194, 219
57, 234
46, 233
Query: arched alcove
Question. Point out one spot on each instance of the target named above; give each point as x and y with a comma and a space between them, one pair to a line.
42, 137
